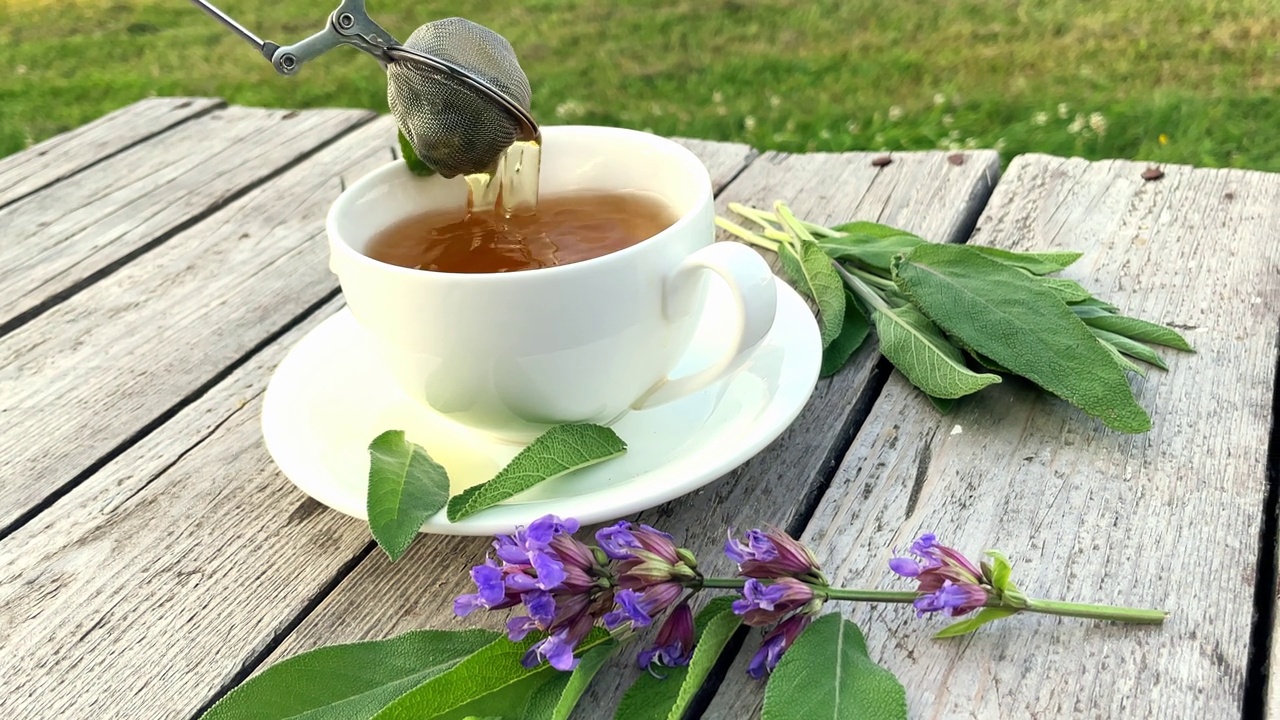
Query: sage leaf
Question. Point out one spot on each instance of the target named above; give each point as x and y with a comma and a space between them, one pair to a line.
588, 666
853, 333
811, 271
872, 229
826, 673
491, 682
924, 355
1094, 302
405, 488
667, 698
1139, 330
944, 406
557, 452
1132, 348
1036, 263
984, 616
1068, 290
1007, 316
349, 682
1124, 362
875, 252
415, 164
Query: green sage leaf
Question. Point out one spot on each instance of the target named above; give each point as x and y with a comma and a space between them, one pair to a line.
405, 488
1094, 302
1068, 290
668, 697
1121, 360
349, 682
874, 252
411, 159
812, 274
1132, 348
557, 452
588, 666
853, 333
924, 355
1007, 316
1037, 263
984, 616
827, 673
812, 268
872, 229
1140, 330
944, 406
491, 682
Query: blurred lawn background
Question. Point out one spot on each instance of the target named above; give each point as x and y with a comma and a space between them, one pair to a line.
1190, 81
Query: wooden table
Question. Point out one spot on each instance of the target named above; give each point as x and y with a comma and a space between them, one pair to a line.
155, 265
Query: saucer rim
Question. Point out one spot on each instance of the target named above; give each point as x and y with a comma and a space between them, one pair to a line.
780, 410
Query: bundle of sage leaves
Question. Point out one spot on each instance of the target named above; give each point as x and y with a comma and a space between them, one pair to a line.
955, 318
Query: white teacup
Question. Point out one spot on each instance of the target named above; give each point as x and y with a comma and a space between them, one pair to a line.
510, 354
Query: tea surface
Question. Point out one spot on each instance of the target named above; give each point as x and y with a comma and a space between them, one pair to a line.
564, 229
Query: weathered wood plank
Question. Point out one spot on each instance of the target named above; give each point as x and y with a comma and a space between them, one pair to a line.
919, 191
58, 239
146, 589
85, 377
66, 154
723, 160
1167, 519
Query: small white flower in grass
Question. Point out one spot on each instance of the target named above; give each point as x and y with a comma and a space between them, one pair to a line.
895, 113
790, 126
948, 120
655, 108
774, 101
853, 127
570, 109
1076, 125
1040, 118
1063, 110
939, 99
1098, 123
879, 138
20, 70
717, 97
970, 143
1000, 145
749, 123
825, 134
954, 135
722, 110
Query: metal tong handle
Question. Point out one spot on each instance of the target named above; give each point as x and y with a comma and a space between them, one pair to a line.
350, 24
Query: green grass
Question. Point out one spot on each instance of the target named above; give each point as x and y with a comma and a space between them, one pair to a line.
1191, 81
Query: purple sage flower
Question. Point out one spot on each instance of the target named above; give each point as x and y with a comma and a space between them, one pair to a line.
775, 643
947, 581
641, 606
767, 604
645, 556
772, 554
557, 579
674, 644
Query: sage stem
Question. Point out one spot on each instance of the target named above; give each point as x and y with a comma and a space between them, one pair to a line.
746, 234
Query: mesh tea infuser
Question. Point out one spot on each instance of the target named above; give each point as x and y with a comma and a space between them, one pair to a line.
455, 88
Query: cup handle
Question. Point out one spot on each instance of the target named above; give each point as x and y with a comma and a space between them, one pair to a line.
755, 296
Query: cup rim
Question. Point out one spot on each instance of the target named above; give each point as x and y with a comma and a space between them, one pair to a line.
397, 167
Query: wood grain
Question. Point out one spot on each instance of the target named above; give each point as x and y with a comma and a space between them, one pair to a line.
86, 377
64, 155
147, 588
723, 160
919, 191
58, 239
1168, 519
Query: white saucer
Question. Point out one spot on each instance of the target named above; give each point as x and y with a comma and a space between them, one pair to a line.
328, 400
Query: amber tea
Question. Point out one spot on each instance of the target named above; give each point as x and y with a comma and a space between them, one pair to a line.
563, 229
